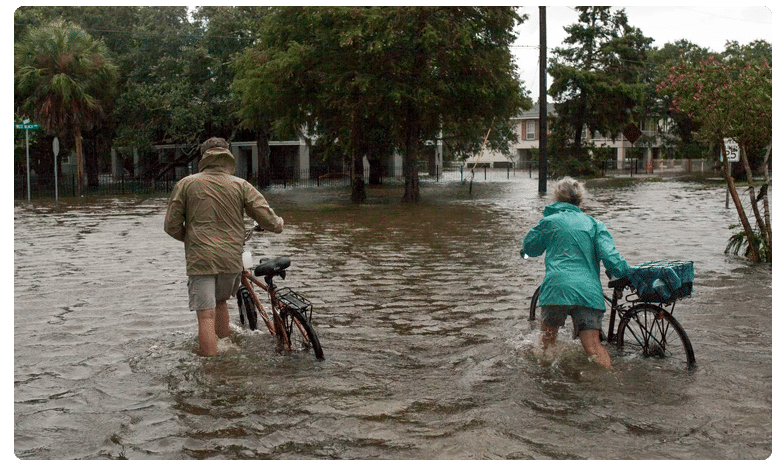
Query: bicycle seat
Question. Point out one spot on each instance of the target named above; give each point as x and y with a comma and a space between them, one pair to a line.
272, 266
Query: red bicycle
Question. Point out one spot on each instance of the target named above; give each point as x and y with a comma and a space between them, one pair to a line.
289, 316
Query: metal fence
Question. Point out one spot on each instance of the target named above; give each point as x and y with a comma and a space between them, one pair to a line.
108, 185
43, 187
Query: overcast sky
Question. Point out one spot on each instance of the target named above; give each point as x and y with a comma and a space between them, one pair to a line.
706, 26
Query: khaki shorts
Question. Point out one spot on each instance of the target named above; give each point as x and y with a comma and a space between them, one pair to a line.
206, 290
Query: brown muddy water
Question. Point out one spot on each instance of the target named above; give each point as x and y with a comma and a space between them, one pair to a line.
422, 313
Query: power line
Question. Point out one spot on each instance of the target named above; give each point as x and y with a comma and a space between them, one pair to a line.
730, 18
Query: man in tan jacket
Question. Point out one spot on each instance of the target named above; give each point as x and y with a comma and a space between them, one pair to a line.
206, 212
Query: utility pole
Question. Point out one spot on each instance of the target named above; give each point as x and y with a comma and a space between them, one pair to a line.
542, 99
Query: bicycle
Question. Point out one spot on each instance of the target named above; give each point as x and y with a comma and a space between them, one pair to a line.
645, 328
290, 317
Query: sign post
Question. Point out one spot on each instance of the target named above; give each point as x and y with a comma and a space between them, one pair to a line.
632, 134
27, 126
732, 156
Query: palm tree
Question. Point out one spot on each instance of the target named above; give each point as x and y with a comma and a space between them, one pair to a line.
62, 79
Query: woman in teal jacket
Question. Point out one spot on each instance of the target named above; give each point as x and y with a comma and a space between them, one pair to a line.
574, 243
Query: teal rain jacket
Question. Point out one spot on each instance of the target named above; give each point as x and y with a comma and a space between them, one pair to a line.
575, 244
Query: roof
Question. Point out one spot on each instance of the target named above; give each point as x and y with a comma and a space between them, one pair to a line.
533, 113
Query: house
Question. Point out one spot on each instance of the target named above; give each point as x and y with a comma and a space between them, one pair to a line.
524, 152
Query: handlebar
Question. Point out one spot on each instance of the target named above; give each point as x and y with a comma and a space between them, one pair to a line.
248, 233
620, 283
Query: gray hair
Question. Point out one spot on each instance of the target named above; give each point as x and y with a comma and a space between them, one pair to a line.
213, 142
569, 190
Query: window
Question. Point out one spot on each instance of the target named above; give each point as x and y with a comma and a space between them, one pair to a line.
530, 130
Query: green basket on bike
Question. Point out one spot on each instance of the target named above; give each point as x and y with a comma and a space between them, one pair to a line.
663, 280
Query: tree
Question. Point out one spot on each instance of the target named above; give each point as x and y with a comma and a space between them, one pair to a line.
731, 102
174, 78
680, 141
739, 55
599, 80
161, 99
223, 32
63, 79
454, 77
413, 73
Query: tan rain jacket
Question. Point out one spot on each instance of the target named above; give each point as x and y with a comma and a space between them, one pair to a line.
206, 212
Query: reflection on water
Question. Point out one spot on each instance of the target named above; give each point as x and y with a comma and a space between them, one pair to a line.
421, 310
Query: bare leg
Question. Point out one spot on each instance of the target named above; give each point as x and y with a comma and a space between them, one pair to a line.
222, 321
549, 334
591, 342
207, 338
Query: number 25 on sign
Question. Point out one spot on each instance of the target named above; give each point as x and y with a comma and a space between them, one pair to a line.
732, 150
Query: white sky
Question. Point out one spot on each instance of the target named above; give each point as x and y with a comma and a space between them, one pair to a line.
707, 26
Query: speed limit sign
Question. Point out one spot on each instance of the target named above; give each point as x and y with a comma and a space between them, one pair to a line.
732, 150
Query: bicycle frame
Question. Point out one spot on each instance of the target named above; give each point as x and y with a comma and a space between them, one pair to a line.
615, 308
272, 321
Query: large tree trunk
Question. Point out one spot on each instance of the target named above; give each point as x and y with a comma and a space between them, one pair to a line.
79, 162
752, 253
262, 174
358, 181
753, 202
765, 199
92, 149
411, 177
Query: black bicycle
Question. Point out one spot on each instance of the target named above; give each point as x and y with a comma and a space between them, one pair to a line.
646, 325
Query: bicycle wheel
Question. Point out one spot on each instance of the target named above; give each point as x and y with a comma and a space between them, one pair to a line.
534, 300
247, 313
650, 331
301, 332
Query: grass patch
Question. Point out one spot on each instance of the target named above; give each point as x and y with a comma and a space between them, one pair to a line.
612, 182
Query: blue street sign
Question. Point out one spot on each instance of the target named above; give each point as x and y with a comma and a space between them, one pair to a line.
26, 126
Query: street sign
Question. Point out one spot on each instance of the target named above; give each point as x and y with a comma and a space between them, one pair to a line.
632, 133
26, 126
732, 150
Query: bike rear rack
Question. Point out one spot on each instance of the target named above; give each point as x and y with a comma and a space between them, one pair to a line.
291, 299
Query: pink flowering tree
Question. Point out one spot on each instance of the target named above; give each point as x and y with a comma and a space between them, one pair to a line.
731, 102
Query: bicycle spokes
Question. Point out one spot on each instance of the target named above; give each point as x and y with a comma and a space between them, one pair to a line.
651, 331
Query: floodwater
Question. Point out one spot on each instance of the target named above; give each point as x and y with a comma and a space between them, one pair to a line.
422, 313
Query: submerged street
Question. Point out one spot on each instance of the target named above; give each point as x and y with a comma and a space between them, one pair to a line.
422, 314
